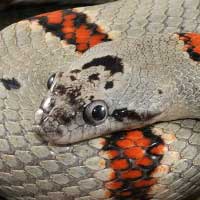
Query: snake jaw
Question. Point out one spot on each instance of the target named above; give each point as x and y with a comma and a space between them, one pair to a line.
48, 134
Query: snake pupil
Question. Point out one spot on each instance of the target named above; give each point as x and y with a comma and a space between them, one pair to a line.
99, 112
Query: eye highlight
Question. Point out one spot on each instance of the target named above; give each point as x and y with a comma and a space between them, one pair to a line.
51, 80
96, 112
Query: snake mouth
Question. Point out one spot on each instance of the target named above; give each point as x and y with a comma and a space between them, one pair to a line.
57, 137
52, 131
48, 135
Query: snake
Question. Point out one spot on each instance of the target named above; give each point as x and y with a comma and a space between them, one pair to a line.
71, 76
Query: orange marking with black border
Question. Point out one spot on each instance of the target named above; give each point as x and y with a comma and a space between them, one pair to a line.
53, 17
158, 150
113, 153
192, 44
125, 143
125, 194
119, 164
144, 183
134, 135
140, 153
134, 152
145, 161
143, 142
110, 154
113, 185
131, 174
73, 27
112, 175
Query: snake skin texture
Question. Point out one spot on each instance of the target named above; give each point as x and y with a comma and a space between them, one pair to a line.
160, 162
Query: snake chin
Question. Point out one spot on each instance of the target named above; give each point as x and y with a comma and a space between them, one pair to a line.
47, 135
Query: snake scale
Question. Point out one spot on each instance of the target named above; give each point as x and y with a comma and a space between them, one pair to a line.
157, 162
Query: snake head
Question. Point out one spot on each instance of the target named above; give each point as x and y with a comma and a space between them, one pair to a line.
108, 89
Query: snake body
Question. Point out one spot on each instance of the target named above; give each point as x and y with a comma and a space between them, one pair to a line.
158, 162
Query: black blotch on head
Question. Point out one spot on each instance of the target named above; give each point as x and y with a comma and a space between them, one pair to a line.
91, 98
60, 74
73, 94
73, 78
66, 119
61, 89
76, 71
62, 116
93, 77
111, 63
109, 85
120, 114
160, 91
10, 83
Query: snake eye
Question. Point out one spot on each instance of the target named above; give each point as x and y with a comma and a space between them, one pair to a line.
50, 80
96, 112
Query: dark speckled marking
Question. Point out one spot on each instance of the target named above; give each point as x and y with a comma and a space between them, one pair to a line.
75, 71
111, 63
10, 84
120, 114
61, 89
67, 118
73, 94
91, 98
93, 77
73, 78
160, 91
109, 85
